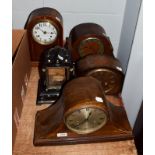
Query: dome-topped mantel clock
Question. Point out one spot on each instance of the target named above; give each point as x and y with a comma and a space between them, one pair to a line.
88, 38
45, 30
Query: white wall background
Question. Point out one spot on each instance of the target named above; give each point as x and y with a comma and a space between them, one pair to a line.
132, 92
131, 15
107, 13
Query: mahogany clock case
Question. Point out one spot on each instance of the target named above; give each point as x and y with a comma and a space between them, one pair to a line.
105, 68
88, 38
44, 15
50, 125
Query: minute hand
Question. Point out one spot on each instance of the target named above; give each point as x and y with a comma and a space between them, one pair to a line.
85, 120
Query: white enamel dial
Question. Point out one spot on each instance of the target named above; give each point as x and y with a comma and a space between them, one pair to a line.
44, 33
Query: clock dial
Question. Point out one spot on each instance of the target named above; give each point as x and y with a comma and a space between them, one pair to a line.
44, 33
110, 79
86, 120
91, 46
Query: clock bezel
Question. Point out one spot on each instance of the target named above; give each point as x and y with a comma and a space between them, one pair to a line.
52, 23
97, 40
87, 131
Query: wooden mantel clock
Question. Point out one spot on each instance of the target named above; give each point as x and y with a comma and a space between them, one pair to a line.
105, 68
45, 30
83, 114
88, 38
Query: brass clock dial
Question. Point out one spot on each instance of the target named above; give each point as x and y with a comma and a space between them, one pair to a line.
91, 45
110, 79
44, 33
85, 105
104, 68
86, 120
88, 38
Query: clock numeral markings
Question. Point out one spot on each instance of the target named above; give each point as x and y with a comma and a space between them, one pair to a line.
87, 109
77, 127
37, 28
98, 123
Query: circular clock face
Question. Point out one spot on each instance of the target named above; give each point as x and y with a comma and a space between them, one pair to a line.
91, 46
44, 33
86, 120
110, 79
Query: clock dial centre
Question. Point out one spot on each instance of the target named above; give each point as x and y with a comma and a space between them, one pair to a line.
44, 33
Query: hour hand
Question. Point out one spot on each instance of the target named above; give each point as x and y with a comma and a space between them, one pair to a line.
41, 30
89, 115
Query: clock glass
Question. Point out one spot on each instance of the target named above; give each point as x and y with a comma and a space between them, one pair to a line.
91, 46
44, 33
86, 120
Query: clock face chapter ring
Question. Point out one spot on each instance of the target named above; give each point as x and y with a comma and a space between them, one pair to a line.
86, 120
90, 45
85, 105
110, 79
44, 32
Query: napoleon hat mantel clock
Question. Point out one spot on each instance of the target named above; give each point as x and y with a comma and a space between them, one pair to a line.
45, 30
83, 114
105, 68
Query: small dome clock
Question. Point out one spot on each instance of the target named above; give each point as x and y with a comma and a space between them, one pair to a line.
45, 30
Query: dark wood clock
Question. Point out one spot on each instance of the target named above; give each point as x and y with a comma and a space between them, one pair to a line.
45, 30
106, 69
88, 38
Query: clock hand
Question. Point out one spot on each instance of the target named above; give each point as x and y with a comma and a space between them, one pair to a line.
85, 120
50, 33
45, 32
89, 115
41, 30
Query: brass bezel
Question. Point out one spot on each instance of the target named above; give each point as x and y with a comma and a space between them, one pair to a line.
102, 70
101, 51
88, 130
52, 23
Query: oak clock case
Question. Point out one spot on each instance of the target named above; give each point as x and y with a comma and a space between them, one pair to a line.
106, 69
82, 115
88, 38
56, 69
45, 30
